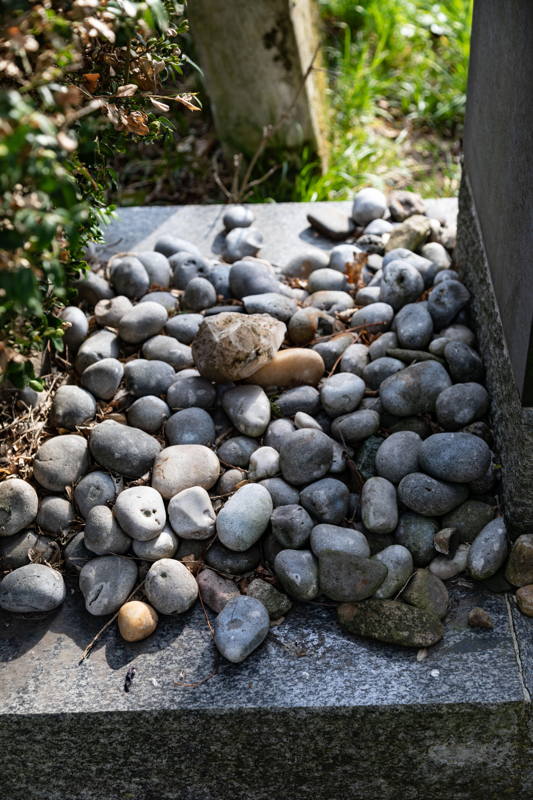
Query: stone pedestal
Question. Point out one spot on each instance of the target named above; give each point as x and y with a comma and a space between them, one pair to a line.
254, 56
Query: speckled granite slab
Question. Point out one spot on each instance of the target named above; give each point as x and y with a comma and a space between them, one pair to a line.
314, 714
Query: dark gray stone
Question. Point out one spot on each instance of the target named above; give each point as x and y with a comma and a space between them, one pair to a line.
430, 497
464, 364
305, 456
148, 413
93, 288
281, 492
399, 563
110, 312
401, 283
379, 506
237, 217
15, 549
398, 455
184, 327
331, 223
33, 587
445, 301
456, 457
488, 550
190, 426
332, 350
18, 506
106, 583
78, 326
61, 461
95, 489
168, 245
72, 406
276, 603
241, 627
341, 393
277, 432
326, 500
377, 317
301, 398
417, 533
231, 562
292, 526
102, 533
237, 450
187, 266
102, 344
414, 326
165, 299
379, 370
143, 377
129, 277
56, 515
143, 321
199, 294
190, 392
103, 378
352, 428
414, 390
123, 449
168, 349
461, 404
297, 571
272, 303
170, 587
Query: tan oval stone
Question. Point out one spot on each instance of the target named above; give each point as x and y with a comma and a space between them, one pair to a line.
136, 621
524, 599
292, 367
182, 466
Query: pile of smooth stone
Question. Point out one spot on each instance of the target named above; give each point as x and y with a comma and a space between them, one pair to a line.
261, 435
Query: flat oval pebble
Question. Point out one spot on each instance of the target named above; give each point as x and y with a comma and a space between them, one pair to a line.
123, 449
18, 506
341, 393
170, 587
191, 514
168, 349
143, 377
157, 268
110, 312
430, 497
148, 413
190, 426
414, 326
33, 587
129, 277
461, 404
272, 303
106, 583
61, 461
456, 457
191, 391
353, 428
144, 320
379, 505
292, 367
244, 517
103, 378
281, 492
184, 465
72, 406
414, 390
376, 317
445, 301
488, 551
241, 627
398, 455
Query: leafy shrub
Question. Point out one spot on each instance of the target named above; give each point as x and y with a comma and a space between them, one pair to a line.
80, 80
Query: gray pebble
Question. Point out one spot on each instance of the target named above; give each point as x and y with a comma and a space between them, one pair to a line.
276, 603
380, 346
218, 275
237, 217
379, 506
353, 428
102, 344
157, 268
437, 254
488, 550
251, 277
305, 456
367, 295
330, 301
399, 563
144, 320
461, 404
326, 280
143, 377
248, 408
184, 327
78, 326
345, 577
110, 312
61, 461
106, 583
445, 275
398, 455
281, 492
368, 204
414, 390
326, 500
376, 317
72, 406
292, 526
354, 359
341, 393
55, 515
244, 517
186, 267
427, 496
170, 587
301, 265
417, 533
445, 301
148, 413
190, 426
401, 283
303, 420
129, 277
276, 305
468, 519
191, 514
242, 242
92, 288
165, 299
464, 364
140, 512
18, 506
120, 448
191, 392
414, 326
76, 554
379, 370
228, 481
199, 294
103, 378
378, 227
459, 333
237, 450
456, 457
297, 571
342, 255
344, 540
103, 535
181, 466
277, 432
230, 562
301, 398
15, 550
95, 489
241, 626
168, 245
264, 463
333, 349
33, 587
445, 567
168, 349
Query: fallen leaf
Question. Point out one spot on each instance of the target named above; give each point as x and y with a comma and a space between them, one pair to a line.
186, 100
91, 79
128, 90
159, 105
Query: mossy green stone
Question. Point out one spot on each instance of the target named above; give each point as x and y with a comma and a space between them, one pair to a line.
391, 621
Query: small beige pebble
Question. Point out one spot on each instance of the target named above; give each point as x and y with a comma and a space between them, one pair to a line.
479, 618
136, 621
524, 599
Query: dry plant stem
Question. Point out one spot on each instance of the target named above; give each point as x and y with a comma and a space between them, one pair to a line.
102, 630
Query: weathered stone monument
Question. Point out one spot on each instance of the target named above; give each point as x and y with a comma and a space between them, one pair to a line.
255, 58
495, 232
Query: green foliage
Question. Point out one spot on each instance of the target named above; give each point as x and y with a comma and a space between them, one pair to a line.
81, 80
